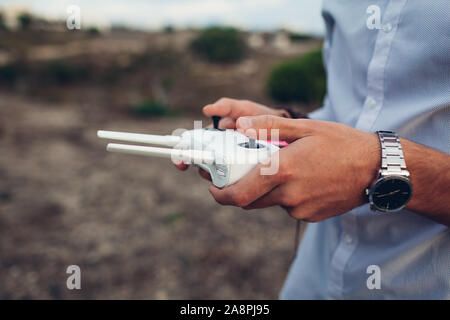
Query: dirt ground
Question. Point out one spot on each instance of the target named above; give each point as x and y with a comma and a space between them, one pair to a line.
138, 228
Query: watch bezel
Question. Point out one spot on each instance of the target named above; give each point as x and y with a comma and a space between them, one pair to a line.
382, 180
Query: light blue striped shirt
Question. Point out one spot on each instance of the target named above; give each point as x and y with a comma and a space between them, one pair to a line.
392, 75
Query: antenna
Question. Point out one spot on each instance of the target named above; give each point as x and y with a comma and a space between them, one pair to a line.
169, 141
192, 156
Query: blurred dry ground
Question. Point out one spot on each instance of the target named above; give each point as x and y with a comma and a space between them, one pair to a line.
138, 228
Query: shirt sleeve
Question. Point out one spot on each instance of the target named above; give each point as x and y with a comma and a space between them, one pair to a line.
324, 113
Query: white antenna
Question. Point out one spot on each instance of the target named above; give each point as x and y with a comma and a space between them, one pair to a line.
169, 141
191, 156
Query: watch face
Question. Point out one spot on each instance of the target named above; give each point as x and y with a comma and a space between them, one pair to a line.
391, 193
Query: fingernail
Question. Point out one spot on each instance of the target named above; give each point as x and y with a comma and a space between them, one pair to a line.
245, 123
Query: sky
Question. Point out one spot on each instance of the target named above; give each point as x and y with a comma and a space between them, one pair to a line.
298, 15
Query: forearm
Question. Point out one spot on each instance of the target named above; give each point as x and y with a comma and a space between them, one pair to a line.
430, 178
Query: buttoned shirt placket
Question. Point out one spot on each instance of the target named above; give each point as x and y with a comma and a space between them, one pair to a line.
372, 106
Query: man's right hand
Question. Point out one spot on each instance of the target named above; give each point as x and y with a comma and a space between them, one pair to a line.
230, 110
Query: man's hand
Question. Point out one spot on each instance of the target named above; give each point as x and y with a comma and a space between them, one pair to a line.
230, 110
322, 173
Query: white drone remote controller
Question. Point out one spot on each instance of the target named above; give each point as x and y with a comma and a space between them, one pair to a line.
226, 155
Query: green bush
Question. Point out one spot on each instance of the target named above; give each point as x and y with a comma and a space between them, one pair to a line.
53, 72
300, 80
219, 45
24, 20
9, 73
298, 37
150, 108
93, 31
63, 72
168, 28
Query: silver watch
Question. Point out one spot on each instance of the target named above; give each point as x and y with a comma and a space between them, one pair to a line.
393, 189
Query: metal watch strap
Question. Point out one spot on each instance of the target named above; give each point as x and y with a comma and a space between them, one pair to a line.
392, 159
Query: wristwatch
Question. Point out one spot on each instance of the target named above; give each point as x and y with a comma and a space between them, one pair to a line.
392, 190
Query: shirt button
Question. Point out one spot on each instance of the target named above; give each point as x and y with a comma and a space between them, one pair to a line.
387, 27
348, 239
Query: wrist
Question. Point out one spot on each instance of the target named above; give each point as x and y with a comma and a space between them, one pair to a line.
371, 165
430, 176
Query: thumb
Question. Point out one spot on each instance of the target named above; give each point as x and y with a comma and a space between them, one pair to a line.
267, 127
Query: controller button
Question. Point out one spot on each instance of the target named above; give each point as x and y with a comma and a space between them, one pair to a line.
252, 145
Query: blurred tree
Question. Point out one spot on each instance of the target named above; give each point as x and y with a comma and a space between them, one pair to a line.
63, 72
9, 73
298, 37
24, 20
150, 108
93, 31
219, 45
117, 27
167, 83
299, 80
169, 28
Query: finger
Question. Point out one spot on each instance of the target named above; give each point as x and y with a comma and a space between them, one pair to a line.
253, 186
221, 110
227, 123
299, 213
308, 213
265, 127
180, 165
204, 174
227, 107
272, 198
